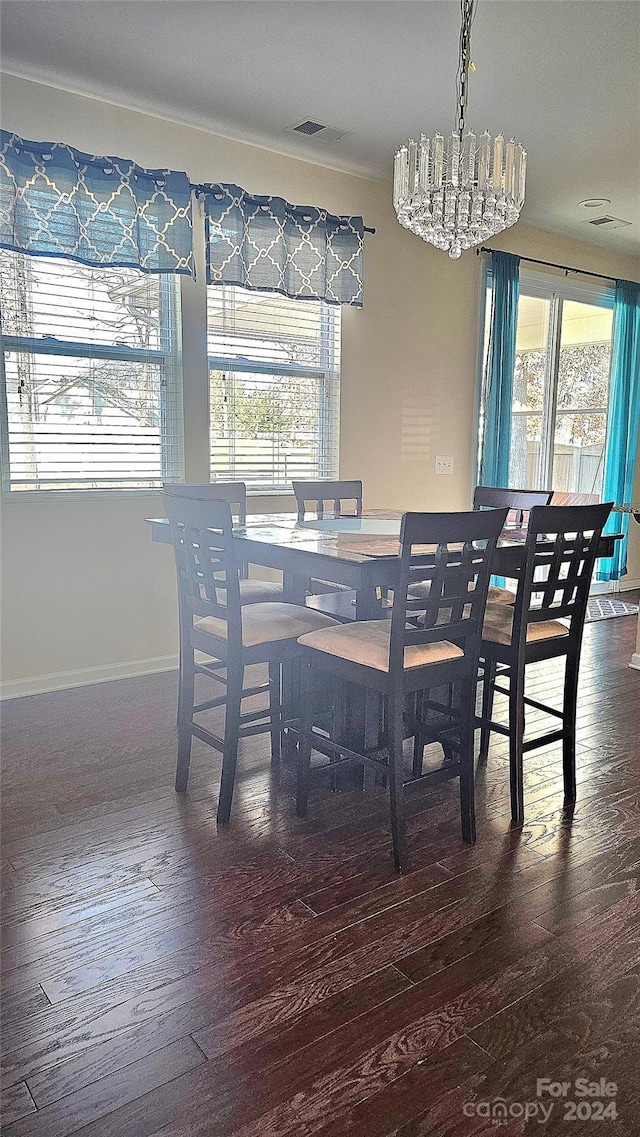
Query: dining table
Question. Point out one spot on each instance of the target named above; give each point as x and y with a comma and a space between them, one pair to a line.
360, 553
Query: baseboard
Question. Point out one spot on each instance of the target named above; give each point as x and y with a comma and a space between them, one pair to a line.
635, 660
62, 680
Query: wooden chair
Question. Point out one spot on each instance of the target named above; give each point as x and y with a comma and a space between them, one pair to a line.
546, 622
520, 503
320, 492
213, 621
397, 658
252, 591
346, 499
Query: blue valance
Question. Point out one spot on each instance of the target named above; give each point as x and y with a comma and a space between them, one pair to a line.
56, 201
266, 244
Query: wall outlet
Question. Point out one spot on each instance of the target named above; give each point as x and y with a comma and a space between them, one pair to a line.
444, 465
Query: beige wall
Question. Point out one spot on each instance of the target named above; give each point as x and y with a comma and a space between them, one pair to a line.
82, 586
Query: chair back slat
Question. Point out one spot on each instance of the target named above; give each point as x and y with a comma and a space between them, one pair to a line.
205, 556
235, 493
452, 552
317, 494
560, 554
520, 502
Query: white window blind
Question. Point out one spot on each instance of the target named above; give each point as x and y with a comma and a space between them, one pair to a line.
274, 387
91, 395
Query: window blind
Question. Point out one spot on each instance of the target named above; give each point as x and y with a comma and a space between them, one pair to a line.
274, 387
91, 377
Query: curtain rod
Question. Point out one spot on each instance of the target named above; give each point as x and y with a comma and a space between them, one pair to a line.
550, 264
200, 188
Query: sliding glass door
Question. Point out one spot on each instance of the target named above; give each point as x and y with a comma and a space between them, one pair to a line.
561, 386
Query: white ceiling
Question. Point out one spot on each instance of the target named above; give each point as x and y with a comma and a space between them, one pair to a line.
562, 76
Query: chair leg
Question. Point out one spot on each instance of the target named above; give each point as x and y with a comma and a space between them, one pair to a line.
275, 712
307, 714
418, 739
516, 740
488, 680
467, 770
235, 677
569, 728
186, 691
396, 781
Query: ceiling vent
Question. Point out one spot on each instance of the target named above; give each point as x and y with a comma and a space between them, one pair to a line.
606, 222
309, 128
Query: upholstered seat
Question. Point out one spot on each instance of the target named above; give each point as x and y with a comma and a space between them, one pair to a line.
368, 641
264, 623
498, 626
420, 591
257, 591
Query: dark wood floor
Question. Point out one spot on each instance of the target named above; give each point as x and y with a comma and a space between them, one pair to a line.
276, 978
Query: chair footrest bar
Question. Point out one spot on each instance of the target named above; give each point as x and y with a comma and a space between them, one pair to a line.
210, 705
543, 739
543, 707
206, 736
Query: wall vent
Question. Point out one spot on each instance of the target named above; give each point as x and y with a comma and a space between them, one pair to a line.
309, 128
607, 222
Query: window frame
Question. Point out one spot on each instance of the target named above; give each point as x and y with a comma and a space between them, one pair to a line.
557, 289
328, 418
168, 357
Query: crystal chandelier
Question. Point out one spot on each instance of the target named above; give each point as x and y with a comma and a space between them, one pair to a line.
459, 191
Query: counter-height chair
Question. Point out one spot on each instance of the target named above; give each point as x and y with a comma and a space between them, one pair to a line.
321, 499
520, 503
545, 622
343, 497
252, 590
215, 622
425, 645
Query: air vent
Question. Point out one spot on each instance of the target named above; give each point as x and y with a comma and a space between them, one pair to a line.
309, 128
607, 222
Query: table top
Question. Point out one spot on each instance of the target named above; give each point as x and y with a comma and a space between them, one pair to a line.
375, 534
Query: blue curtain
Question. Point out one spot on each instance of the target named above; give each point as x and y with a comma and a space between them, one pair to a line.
56, 201
266, 244
624, 420
504, 274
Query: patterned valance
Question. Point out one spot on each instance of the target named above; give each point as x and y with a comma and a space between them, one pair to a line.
56, 201
266, 244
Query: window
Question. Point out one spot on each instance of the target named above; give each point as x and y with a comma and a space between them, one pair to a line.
274, 385
90, 367
561, 385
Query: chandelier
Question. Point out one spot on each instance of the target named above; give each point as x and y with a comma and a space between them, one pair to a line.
459, 191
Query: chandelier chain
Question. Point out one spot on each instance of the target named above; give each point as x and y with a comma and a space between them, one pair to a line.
462, 78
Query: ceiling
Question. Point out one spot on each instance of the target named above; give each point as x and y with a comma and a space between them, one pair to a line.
561, 76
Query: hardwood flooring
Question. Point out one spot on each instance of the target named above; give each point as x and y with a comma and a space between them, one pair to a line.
275, 977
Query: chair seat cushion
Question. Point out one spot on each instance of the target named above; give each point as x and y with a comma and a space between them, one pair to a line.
498, 625
421, 590
254, 591
263, 623
367, 642
498, 595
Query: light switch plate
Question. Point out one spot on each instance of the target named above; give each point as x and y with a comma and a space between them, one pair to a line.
444, 465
